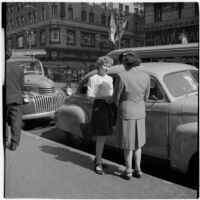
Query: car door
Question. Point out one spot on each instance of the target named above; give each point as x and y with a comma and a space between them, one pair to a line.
157, 119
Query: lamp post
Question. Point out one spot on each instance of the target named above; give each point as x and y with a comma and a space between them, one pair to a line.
120, 20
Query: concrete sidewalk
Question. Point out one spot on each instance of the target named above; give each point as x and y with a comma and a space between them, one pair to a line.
41, 168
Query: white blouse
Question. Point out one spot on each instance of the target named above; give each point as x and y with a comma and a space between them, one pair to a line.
100, 86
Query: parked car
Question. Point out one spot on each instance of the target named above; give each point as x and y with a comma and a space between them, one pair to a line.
40, 97
171, 114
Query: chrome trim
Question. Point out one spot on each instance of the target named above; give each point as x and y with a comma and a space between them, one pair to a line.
48, 103
38, 115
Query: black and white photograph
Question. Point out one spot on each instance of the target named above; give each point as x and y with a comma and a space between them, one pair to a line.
100, 100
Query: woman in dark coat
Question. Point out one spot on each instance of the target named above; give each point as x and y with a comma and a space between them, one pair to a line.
132, 88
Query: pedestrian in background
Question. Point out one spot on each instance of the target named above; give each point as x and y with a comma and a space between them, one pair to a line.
100, 87
14, 89
131, 89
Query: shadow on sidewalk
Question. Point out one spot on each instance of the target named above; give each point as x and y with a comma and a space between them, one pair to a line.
66, 155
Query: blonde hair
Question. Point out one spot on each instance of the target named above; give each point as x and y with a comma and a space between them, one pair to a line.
104, 60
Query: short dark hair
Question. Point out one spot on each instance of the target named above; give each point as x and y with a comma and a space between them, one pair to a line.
129, 58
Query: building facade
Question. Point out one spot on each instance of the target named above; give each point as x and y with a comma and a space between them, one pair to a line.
167, 23
74, 35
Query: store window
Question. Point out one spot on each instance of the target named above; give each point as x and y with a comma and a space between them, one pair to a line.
91, 18
88, 39
42, 37
20, 42
83, 15
71, 37
55, 35
70, 13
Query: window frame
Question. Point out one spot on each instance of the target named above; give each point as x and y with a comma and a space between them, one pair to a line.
52, 40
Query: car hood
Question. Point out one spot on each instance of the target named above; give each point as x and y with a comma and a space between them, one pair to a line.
38, 81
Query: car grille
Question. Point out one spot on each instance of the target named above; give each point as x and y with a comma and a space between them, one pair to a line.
46, 91
48, 103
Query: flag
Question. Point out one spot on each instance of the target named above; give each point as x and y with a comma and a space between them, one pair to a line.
112, 29
122, 31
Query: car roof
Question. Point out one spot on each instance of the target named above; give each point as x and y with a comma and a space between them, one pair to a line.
158, 69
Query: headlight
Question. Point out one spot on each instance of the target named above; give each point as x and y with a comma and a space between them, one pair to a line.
26, 98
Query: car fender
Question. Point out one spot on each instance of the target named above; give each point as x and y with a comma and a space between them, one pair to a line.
183, 145
72, 119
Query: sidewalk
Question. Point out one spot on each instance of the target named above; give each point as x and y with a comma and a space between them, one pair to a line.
41, 168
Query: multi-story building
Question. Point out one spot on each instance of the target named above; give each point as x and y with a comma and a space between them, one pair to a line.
166, 23
74, 35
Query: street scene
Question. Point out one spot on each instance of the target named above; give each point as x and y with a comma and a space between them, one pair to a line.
101, 100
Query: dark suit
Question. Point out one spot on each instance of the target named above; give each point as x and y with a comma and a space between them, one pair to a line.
14, 89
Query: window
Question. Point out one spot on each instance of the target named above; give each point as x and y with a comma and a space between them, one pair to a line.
105, 42
180, 7
126, 10
155, 91
35, 16
157, 12
9, 44
42, 37
43, 14
18, 21
11, 23
70, 13
22, 20
33, 38
70, 37
88, 39
83, 15
91, 18
125, 43
54, 10
120, 7
55, 35
103, 19
29, 17
196, 9
20, 42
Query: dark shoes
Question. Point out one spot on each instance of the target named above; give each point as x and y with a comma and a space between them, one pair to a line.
137, 174
103, 164
126, 175
13, 146
98, 169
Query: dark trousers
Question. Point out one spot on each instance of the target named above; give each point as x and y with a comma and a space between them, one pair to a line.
14, 120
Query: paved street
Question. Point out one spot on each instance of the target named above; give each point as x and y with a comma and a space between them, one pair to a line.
41, 168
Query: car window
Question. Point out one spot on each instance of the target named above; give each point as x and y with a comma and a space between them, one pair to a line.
156, 92
180, 83
195, 75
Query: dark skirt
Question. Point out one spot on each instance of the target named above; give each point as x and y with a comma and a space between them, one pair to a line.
101, 118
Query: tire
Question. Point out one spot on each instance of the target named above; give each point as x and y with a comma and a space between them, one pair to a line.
193, 170
75, 141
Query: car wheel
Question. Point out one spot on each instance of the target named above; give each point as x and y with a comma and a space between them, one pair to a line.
74, 140
193, 171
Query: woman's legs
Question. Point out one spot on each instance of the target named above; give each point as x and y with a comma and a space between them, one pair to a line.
137, 158
128, 156
100, 141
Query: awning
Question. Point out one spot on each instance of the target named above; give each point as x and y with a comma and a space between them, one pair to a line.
65, 64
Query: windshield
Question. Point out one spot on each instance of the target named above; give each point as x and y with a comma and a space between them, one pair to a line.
32, 67
181, 83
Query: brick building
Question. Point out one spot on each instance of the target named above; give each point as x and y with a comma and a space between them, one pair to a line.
74, 35
165, 23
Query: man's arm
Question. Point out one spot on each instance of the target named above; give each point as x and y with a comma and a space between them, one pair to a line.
117, 90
